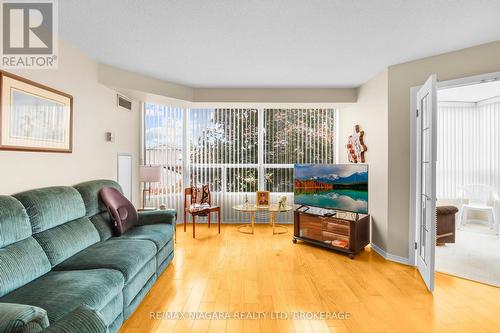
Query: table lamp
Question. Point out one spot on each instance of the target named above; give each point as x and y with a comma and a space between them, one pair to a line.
148, 174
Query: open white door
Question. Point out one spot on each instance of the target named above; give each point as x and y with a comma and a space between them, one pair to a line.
426, 180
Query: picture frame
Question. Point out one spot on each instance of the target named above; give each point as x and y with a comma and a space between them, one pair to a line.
262, 198
34, 117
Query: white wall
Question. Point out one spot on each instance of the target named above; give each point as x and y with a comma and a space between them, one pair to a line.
95, 112
371, 113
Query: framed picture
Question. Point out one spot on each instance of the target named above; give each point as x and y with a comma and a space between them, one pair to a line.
262, 198
34, 117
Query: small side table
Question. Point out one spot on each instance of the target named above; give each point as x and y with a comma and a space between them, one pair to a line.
247, 208
273, 209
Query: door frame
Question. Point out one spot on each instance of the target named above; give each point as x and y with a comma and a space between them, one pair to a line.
465, 81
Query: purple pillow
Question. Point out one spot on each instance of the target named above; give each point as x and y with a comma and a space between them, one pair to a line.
122, 211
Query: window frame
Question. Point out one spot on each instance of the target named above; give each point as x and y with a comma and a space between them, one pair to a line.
260, 165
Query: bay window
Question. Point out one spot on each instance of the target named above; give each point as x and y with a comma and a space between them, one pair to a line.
236, 151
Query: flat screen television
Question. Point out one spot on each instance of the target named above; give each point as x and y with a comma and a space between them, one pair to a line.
332, 186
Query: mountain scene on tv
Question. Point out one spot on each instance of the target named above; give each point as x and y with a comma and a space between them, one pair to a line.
333, 186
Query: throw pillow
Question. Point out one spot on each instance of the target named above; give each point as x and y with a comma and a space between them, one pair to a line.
200, 196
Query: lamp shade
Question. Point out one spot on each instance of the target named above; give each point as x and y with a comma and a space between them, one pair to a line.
149, 173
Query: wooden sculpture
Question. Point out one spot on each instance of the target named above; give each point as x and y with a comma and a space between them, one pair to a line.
356, 147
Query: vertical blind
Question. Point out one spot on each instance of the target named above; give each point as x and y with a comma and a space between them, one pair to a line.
163, 146
468, 146
295, 136
236, 151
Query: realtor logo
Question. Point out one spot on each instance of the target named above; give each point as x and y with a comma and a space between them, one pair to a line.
29, 34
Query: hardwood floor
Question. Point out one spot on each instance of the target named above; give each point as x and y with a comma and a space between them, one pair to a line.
235, 272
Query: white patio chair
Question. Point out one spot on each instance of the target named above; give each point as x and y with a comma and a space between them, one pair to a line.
479, 198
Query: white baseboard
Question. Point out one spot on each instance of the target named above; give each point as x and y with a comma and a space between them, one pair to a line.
389, 256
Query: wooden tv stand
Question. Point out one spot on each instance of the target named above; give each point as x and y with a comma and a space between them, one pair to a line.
340, 232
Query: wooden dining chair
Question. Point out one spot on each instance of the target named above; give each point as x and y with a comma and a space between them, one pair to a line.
191, 208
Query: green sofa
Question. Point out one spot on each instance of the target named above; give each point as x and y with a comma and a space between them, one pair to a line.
61, 269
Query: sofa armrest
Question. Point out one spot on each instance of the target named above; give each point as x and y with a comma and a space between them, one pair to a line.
157, 216
22, 318
81, 320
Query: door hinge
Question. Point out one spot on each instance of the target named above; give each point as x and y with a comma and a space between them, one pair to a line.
417, 113
416, 245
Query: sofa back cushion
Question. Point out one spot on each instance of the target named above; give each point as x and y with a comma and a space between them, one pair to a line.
14, 222
95, 209
21, 258
57, 216
66, 240
51, 206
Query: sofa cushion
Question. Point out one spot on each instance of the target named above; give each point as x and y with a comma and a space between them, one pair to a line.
65, 240
95, 209
165, 252
21, 258
21, 263
104, 225
59, 293
14, 222
90, 194
129, 309
126, 256
51, 206
446, 210
159, 234
137, 283
57, 216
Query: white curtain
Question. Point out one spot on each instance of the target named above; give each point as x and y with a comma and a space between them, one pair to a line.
236, 151
468, 146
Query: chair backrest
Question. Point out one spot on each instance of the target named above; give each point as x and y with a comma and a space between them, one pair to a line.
207, 198
120, 208
477, 194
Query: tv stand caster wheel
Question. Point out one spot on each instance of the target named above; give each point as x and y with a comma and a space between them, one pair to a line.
351, 256
294, 241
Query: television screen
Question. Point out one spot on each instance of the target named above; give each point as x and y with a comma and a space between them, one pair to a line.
333, 186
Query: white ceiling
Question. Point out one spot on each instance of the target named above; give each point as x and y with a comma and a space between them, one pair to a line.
273, 43
471, 93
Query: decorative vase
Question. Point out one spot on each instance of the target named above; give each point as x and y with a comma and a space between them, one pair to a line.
282, 202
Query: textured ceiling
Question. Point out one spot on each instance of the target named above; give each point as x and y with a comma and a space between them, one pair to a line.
273, 43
